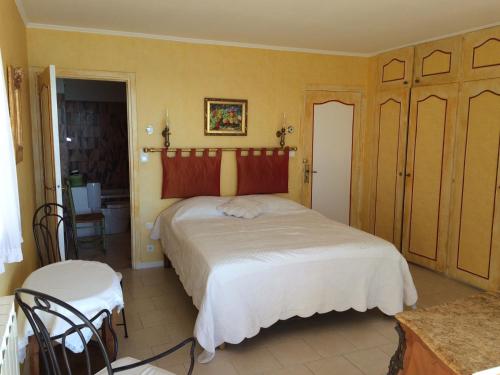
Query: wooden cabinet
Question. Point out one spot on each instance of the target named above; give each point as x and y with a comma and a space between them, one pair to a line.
481, 56
428, 174
437, 62
395, 68
434, 201
391, 121
475, 228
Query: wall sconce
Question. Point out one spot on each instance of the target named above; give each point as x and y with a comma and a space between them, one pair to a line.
281, 134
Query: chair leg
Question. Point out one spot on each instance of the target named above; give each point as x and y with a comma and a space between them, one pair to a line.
103, 236
124, 321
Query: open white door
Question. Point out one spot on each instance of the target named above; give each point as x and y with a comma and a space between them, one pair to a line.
47, 96
332, 160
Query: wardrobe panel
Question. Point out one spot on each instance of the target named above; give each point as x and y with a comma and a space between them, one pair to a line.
391, 128
481, 56
428, 174
438, 61
475, 243
395, 68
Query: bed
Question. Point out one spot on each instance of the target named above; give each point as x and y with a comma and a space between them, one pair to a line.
246, 274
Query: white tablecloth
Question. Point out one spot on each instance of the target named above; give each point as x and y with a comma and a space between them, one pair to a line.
87, 286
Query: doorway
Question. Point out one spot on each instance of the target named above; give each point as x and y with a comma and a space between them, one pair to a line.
331, 142
332, 160
93, 151
46, 144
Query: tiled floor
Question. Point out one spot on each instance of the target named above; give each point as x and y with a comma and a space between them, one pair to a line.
117, 255
160, 314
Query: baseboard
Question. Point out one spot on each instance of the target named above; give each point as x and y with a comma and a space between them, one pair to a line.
145, 265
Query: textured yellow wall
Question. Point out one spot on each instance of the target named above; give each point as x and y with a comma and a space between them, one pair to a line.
14, 52
180, 75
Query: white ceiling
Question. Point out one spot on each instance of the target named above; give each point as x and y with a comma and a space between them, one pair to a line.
348, 26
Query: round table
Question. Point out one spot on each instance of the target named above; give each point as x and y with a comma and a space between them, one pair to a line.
87, 286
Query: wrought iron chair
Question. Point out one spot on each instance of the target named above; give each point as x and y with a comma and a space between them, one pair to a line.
48, 223
39, 307
49, 219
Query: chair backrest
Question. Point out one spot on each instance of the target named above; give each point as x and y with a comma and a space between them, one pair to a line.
40, 308
50, 221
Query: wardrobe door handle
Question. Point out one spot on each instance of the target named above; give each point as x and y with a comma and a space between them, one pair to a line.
408, 174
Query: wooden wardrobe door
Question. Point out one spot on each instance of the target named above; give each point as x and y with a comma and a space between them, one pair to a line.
481, 56
395, 68
391, 122
437, 62
475, 231
428, 174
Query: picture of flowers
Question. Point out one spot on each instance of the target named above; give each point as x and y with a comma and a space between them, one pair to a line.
225, 116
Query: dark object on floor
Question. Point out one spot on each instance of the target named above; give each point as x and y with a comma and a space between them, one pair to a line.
45, 306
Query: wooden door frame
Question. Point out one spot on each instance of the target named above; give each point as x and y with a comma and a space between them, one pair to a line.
358, 148
133, 150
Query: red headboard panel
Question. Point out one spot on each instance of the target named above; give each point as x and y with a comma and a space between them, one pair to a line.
262, 174
190, 176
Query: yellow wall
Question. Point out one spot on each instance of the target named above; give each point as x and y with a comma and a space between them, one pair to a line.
180, 75
14, 52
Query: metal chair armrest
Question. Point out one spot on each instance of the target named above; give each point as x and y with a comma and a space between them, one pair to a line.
164, 354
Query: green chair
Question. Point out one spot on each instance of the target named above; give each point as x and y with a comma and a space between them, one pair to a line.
96, 218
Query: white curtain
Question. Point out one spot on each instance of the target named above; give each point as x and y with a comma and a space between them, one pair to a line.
10, 218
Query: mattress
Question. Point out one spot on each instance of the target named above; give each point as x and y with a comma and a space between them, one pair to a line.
246, 274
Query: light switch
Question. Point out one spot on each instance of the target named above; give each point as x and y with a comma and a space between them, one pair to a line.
149, 129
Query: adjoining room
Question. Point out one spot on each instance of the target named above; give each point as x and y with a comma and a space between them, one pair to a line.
93, 148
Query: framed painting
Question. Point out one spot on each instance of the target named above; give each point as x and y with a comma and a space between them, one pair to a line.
226, 116
14, 81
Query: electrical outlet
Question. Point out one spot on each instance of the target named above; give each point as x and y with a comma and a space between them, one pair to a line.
150, 248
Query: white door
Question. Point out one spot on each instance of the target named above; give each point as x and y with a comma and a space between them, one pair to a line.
332, 159
49, 130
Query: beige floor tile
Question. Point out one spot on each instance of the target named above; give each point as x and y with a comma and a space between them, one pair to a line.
149, 337
174, 369
389, 349
293, 370
362, 336
133, 321
218, 366
292, 352
333, 366
137, 305
370, 361
329, 342
155, 317
250, 360
134, 352
179, 357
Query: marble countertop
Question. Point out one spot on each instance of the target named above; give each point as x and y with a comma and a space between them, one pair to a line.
464, 334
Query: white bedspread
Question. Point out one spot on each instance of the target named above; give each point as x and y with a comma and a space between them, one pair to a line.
246, 274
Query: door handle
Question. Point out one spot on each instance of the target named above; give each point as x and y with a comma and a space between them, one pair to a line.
408, 174
315, 171
307, 171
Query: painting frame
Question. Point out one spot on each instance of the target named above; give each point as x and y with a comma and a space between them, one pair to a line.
15, 77
225, 117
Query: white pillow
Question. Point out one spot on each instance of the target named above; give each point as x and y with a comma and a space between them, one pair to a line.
242, 207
